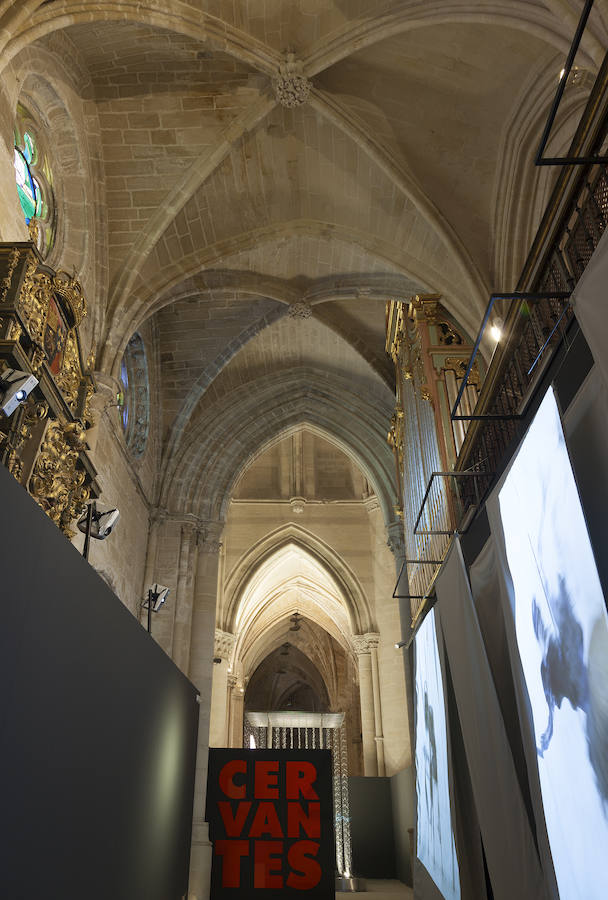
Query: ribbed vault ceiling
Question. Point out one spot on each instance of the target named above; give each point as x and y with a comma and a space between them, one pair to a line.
221, 207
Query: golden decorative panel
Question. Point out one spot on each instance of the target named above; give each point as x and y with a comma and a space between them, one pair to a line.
43, 443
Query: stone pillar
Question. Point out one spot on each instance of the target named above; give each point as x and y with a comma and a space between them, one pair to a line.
366, 690
200, 673
396, 544
218, 725
373, 641
237, 706
188, 558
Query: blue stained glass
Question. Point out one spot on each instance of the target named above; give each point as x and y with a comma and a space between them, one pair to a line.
124, 377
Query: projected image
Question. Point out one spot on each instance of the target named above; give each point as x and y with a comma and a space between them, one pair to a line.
562, 639
436, 848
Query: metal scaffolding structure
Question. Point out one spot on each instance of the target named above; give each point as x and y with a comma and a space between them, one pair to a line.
291, 730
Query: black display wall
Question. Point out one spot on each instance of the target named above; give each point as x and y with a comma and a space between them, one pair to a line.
98, 729
371, 827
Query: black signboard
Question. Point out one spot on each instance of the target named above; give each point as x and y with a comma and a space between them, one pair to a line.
271, 824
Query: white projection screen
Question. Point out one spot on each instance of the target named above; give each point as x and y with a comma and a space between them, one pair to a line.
435, 839
561, 633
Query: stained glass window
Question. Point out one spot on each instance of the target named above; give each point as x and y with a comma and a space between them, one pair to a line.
34, 179
124, 380
134, 402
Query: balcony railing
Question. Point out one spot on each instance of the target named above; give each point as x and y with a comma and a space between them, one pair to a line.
569, 233
535, 326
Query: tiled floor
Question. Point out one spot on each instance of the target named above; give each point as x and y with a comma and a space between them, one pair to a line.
383, 890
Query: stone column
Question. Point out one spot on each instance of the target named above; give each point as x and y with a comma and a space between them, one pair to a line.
237, 706
396, 544
366, 690
200, 673
188, 558
218, 725
373, 640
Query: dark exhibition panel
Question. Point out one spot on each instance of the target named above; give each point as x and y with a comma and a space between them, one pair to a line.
99, 729
382, 816
403, 799
371, 827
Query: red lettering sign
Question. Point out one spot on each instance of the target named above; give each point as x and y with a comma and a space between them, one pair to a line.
300, 779
266, 779
307, 871
270, 815
227, 785
267, 864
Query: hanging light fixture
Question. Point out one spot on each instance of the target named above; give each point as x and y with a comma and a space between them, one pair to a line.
296, 621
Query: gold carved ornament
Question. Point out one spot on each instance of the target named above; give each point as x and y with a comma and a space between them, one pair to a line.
448, 336
34, 411
6, 282
56, 483
459, 365
70, 288
69, 378
38, 290
34, 300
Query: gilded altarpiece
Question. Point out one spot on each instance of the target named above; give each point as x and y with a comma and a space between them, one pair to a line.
431, 354
43, 444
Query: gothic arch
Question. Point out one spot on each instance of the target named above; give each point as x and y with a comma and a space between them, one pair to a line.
235, 429
357, 605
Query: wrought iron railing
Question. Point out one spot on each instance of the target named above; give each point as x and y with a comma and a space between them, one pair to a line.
535, 326
569, 233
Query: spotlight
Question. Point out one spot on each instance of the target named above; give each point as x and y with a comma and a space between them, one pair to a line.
400, 644
97, 522
157, 595
16, 386
103, 521
495, 333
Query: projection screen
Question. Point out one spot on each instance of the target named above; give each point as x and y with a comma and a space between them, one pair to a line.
436, 849
561, 632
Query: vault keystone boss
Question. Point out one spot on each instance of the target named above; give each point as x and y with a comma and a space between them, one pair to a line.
267, 824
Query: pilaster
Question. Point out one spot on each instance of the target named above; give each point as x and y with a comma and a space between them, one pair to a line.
222, 652
200, 673
366, 691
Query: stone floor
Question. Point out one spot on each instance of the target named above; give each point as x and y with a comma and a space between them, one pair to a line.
383, 890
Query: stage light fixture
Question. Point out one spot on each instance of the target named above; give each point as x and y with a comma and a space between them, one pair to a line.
98, 522
496, 330
103, 521
15, 387
157, 595
400, 644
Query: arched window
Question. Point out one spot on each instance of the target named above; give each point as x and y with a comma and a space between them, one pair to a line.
34, 179
135, 396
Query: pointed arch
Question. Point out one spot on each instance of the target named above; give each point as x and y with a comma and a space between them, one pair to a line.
217, 448
359, 610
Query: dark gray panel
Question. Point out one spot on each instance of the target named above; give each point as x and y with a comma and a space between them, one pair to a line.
372, 827
98, 735
403, 797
